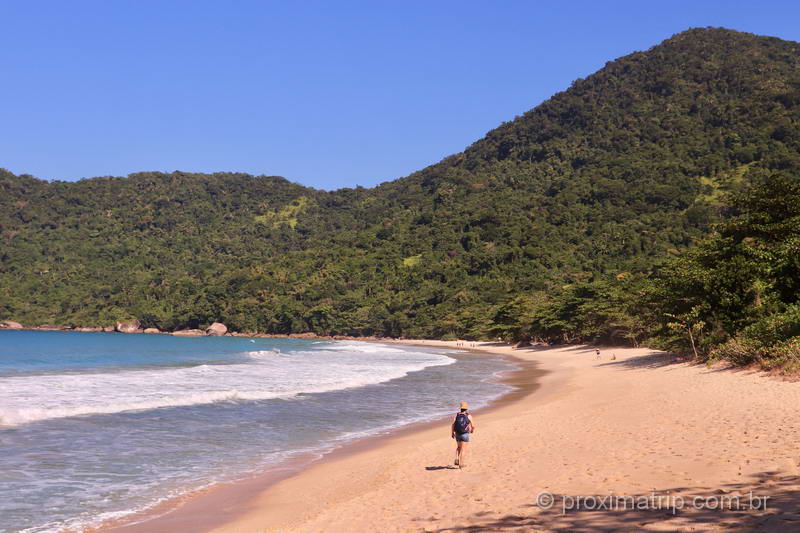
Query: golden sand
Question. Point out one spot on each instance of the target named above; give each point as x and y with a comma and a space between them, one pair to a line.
677, 440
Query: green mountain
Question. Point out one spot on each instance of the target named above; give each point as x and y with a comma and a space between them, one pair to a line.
601, 182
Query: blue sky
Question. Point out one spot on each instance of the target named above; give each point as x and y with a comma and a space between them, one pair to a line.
327, 94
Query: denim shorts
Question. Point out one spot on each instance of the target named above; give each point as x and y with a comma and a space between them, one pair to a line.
463, 437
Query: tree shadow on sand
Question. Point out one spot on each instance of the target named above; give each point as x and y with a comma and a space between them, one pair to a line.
652, 360
743, 509
664, 359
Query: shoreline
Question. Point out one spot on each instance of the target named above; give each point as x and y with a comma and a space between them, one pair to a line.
194, 333
216, 505
633, 423
245, 334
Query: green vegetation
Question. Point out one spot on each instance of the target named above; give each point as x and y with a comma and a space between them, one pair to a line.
574, 222
738, 291
286, 215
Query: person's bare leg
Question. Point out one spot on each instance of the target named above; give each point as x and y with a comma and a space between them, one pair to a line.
458, 452
462, 453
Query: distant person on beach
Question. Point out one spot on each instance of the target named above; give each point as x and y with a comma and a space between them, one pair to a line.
460, 429
597, 353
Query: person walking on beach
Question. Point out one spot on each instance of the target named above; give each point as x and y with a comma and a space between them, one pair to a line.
460, 429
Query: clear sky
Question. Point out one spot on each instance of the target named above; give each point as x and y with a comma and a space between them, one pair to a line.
327, 94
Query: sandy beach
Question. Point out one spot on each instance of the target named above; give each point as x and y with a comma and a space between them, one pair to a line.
632, 441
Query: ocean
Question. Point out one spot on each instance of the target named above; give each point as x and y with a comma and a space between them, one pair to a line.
97, 426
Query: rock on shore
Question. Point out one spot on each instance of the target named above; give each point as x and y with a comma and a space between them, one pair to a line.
10, 324
216, 329
129, 326
152, 330
189, 333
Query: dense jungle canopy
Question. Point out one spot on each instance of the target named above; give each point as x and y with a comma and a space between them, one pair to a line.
655, 198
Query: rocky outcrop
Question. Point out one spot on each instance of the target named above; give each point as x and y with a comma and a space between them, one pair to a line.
152, 330
189, 333
109, 329
89, 329
216, 329
129, 326
10, 324
308, 335
50, 327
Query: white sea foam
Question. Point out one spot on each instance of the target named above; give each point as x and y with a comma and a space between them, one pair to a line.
266, 375
87, 470
363, 347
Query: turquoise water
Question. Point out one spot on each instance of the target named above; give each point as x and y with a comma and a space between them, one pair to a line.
95, 426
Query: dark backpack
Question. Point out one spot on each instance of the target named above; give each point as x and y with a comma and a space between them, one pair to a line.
462, 423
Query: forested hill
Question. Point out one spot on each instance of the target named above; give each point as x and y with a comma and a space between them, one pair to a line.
604, 181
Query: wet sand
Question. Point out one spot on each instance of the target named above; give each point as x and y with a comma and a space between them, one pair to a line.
203, 510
